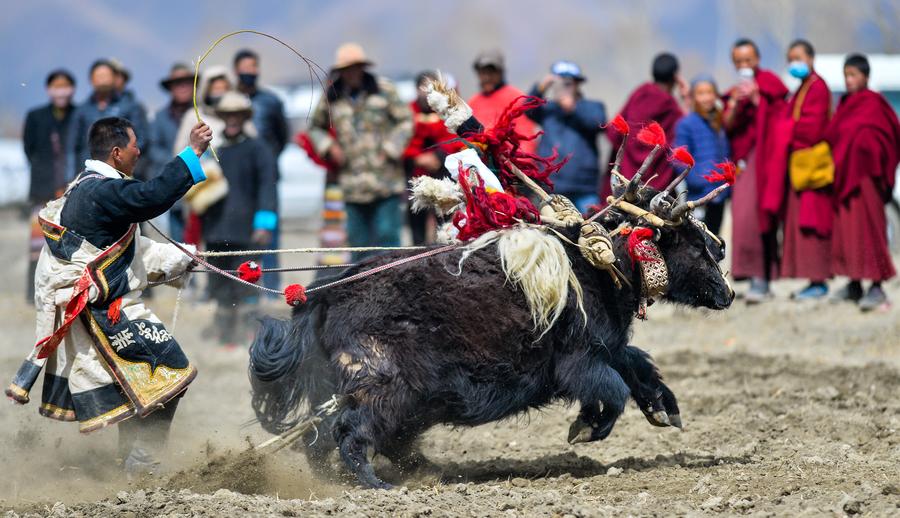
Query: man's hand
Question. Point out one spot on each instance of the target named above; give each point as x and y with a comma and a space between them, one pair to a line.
336, 154
546, 82
201, 135
261, 237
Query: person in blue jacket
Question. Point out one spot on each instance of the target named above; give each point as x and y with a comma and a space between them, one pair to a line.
702, 133
571, 125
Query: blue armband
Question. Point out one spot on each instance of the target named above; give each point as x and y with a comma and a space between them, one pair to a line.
193, 163
265, 220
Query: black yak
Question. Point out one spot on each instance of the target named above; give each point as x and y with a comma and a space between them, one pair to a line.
452, 339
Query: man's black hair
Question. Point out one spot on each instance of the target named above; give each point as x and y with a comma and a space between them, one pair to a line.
741, 42
807, 47
243, 54
665, 66
101, 63
107, 133
60, 72
859, 62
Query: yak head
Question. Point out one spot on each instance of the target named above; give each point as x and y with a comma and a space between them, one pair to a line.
691, 252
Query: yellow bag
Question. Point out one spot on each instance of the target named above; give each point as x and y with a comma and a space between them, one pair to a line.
811, 168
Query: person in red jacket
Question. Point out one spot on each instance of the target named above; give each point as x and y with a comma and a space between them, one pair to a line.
429, 145
754, 110
808, 214
652, 101
865, 140
495, 96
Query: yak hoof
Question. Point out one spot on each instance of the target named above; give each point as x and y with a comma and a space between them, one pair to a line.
580, 431
675, 420
658, 418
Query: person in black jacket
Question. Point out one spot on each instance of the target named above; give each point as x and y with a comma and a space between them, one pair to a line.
246, 217
45, 147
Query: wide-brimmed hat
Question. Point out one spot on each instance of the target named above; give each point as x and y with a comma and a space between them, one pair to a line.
234, 102
489, 58
350, 54
178, 72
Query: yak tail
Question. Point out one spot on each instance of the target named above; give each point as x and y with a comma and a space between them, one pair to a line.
283, 370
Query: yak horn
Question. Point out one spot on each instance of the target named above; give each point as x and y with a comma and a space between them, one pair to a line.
678, 179
528, 181
634, 185
683, 208
634, 210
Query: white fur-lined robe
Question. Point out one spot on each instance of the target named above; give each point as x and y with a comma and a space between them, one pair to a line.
109, 364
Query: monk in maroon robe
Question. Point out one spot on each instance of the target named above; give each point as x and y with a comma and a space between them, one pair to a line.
808, 214
755, 120
650, 102
865, 141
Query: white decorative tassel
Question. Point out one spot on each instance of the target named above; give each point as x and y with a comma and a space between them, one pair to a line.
447, 103
444, 195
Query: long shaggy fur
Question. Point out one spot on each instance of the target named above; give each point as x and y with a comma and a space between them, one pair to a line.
539, 266
448, 104
442, 195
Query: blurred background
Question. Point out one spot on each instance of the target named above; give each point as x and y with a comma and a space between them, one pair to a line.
613, 42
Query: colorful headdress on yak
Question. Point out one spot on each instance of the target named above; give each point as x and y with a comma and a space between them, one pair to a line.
483, 198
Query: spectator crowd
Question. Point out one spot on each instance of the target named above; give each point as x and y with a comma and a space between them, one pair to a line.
808, 203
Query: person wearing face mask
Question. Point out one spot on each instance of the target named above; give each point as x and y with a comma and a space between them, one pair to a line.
701, 132
104, 101
245, 218
179, 84
809, 217
865, 138
44, 139
271, 123
371, 129
754, 118
496, 95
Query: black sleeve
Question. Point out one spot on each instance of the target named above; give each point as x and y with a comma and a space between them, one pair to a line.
267, 178
136, 201
279, 125
29, 136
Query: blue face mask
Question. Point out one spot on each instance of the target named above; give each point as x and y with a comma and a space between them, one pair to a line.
798, 69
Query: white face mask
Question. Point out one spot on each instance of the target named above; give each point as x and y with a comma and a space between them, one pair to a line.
746, 73
60, 96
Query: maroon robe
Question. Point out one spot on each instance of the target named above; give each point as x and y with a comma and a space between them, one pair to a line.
865, 141
758, 139
648, 103
808, 215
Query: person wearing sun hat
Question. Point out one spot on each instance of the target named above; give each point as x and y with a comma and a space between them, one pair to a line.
241, 216
571, 126
371, 128
164, 127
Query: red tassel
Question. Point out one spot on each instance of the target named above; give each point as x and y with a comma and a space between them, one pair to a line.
114, 313
681, 154
249, 271
652, 135
725, 172
295, 294
620, 124
637, 248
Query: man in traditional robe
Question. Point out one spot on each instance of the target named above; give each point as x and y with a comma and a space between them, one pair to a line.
809, 215
754, 118
864, 136
652, 101
108, 358
497, 95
